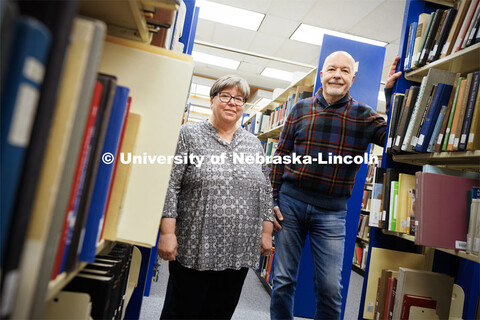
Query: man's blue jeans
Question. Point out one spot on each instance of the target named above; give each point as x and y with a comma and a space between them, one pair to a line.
327, 238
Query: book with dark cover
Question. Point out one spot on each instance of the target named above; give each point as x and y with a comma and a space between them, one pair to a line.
432, 32
58, 17
106, 101
18, 105
440, 99
390, 175
469, 112
405, 117
442, 36
104, 176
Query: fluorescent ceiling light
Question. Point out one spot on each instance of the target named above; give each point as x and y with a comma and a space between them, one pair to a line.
230, 15
277, 74
215, 60
314, 35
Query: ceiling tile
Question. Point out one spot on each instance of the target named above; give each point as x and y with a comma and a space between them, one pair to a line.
232, 37
298, 52
260, 6
288, 9
384, 23
251, 67
266, 44
339, 15
278, 26
205, 30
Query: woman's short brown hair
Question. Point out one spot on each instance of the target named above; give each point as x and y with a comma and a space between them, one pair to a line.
230, 81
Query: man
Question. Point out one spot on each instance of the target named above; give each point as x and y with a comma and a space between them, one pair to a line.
312, 198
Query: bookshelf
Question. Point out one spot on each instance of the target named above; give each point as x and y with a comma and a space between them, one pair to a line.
462, 266
158, 99
464, 61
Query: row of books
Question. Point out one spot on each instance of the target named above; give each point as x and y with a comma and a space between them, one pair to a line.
412, 294
441, 33
442, 114
360, 255
394, 274
105, 280
263, 122
59, 203
266, 267
367, 196
436, 205
363, 231
270, 146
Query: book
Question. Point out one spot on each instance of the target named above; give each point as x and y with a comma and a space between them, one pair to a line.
411, 211
393, 212
412, 32
386, 259
430, 38
457, 121
390, 300
431, 19
442, 36
455, 29
405, 117
466, 23
410, 300
390, 175
58, 17
84, 196
433, 77
437, 286
442, 133
398, 102
474, 133
104, 176
77, 180
386, 274
423, 19
440, 99
53, 172
441, 209
472, 96
448, 130
19, 100
406, 182
376, 201
473, 235
467, 41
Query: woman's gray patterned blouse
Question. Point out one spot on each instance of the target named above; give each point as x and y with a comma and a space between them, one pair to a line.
219, 207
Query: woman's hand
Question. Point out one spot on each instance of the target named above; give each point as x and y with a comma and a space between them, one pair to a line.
167, 242
267, 232
167, 246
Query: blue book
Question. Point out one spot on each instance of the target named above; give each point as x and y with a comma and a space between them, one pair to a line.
19, 100
104, 176
436, 130
410, 45
440, 99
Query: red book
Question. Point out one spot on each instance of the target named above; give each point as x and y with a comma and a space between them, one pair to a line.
390, 303
410, 300
81, 161
117, 156
441, 210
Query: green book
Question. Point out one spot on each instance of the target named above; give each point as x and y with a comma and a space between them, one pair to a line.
393, 206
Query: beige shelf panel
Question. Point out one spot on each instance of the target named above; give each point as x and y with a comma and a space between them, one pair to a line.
272, 133
125, 18
69, 305
458, 253
466, 60
447, 3
459, 160
132, 276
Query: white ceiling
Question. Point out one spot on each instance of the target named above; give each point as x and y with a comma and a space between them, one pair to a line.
375, 19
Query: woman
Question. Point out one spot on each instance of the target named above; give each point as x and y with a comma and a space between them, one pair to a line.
217, 218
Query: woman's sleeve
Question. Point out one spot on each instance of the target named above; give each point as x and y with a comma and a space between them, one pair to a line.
266, 198
176, 177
